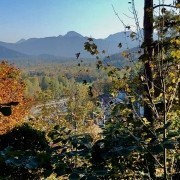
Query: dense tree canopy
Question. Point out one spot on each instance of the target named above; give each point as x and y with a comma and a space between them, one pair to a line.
11, 97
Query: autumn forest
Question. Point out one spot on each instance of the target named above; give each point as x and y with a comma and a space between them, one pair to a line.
104, 117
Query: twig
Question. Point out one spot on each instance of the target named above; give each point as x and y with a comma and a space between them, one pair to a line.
128, 16
118, 17
162, 5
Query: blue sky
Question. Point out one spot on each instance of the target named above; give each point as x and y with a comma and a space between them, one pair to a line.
43, 18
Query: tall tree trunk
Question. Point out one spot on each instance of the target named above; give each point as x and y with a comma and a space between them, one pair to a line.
148, 71
148, 52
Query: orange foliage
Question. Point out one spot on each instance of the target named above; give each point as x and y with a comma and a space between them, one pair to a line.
11, 90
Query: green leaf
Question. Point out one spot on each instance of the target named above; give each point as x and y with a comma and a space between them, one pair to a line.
52, 134
91, 178
101, 172
74, 176
156, 149
57, 140
59, 172
140, 149
124, 152
12, 161
132, 148
56, 148
161, 130
167, 125
32, 163
57, 127
120, 151
173, 134
169, 144
47, 173
61, 166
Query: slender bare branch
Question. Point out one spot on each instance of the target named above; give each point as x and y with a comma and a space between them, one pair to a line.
128, 16
118, 16
162, 5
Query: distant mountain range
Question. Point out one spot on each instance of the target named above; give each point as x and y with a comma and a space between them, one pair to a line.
8, 53
65, 46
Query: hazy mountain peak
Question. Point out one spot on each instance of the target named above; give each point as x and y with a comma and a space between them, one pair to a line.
68, 45
72, 34
21, 40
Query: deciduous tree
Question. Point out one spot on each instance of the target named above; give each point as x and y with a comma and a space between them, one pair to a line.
12, 101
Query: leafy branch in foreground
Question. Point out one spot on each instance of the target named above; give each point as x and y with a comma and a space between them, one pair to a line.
147, 143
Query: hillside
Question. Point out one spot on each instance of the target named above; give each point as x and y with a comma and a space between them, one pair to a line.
119, 60
8, 53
